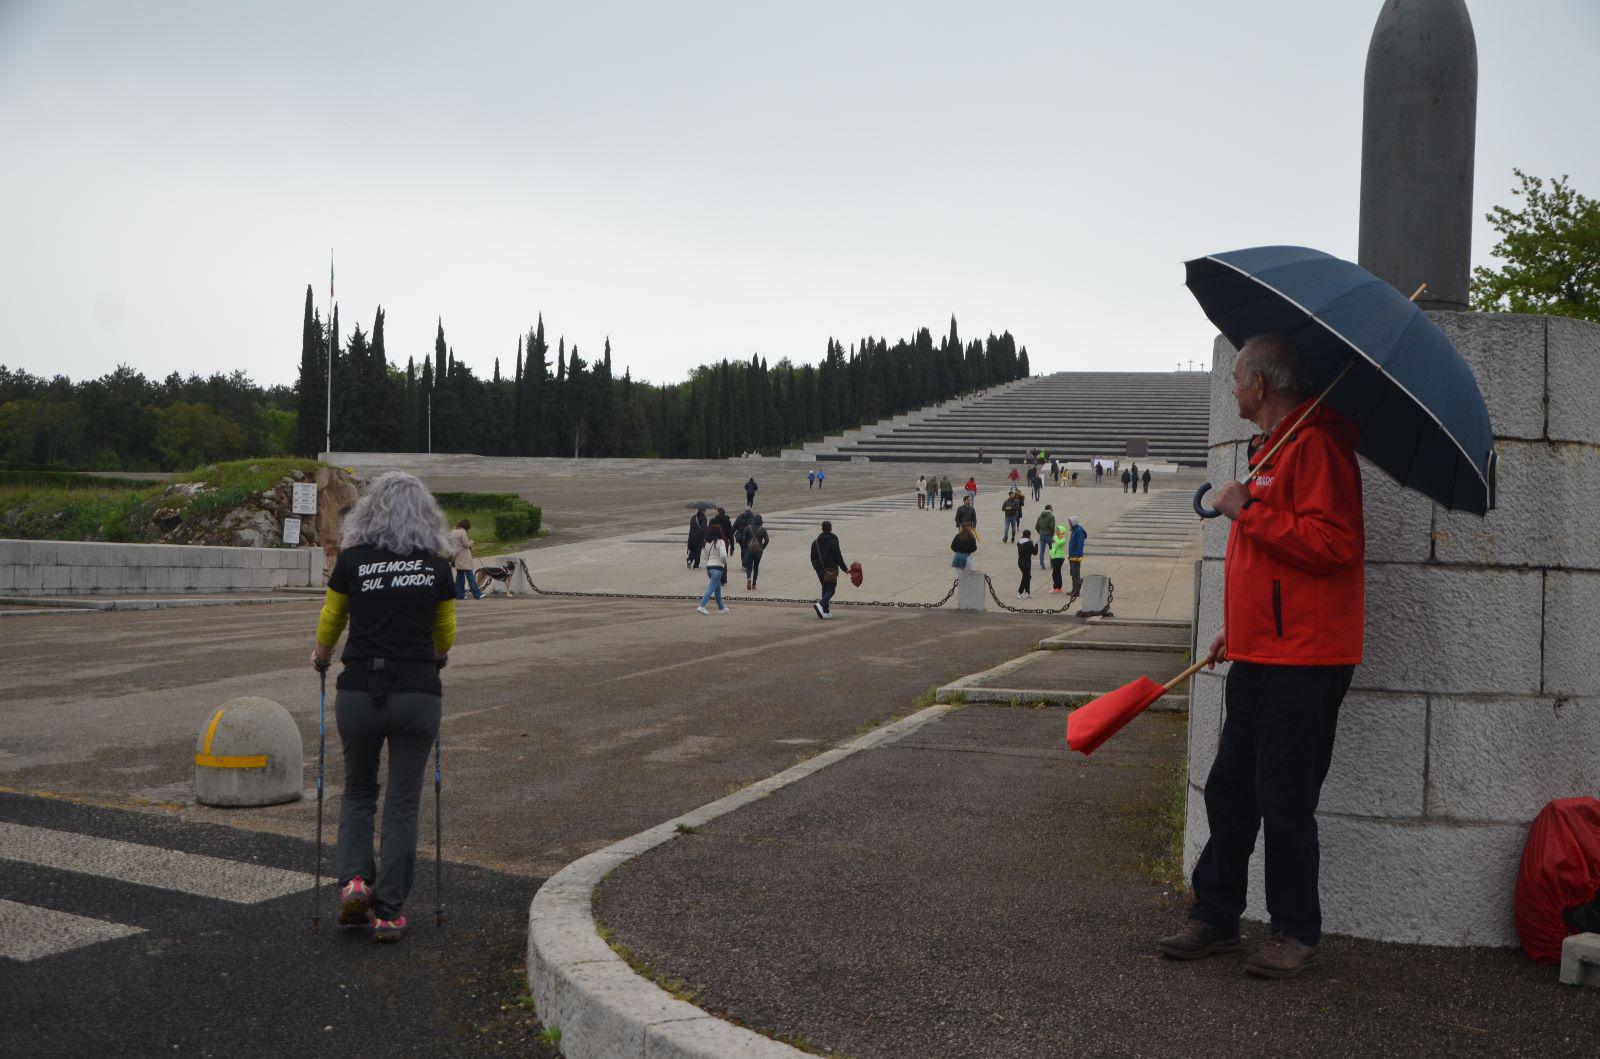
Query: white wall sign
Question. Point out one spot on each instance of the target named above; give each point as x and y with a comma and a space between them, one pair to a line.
305, 498
291, 531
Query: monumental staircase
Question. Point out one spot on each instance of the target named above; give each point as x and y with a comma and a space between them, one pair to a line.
1074, 415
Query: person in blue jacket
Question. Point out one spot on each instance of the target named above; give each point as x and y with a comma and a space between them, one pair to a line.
1075, 552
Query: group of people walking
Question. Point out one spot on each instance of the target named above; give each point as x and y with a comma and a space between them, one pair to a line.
711, 543
937, 493
1131, 478
1057, 545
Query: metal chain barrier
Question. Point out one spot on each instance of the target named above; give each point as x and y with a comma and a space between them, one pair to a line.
989, 581
743, 599
1026, 610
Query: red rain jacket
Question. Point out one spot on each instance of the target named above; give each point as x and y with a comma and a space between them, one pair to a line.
1294, 591
1560, 870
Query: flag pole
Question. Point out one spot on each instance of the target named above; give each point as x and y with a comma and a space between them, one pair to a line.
327, 429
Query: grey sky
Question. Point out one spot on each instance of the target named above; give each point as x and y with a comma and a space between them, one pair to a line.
698, 180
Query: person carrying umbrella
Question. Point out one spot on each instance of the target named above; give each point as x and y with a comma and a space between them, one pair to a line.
1292, 627
697, 537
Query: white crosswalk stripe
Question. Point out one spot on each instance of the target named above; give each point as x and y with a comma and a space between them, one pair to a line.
27, 933
166, 869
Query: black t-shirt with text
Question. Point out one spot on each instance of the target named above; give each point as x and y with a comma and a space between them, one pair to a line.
392, 603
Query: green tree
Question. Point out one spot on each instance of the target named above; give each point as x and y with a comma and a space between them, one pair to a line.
311, 386
1551, 250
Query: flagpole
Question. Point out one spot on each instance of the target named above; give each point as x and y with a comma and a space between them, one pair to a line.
327, 435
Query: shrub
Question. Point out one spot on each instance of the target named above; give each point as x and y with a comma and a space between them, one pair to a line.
517, 522
480, 501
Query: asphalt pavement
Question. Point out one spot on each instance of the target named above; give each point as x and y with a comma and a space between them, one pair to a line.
128, 934
975, 890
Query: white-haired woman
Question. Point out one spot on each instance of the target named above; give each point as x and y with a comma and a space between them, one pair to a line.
392, 584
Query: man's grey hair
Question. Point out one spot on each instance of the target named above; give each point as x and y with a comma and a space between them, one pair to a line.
1278, 361
399, 515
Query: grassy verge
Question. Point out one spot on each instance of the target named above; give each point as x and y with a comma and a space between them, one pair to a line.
486, 541
109, 509
501, 522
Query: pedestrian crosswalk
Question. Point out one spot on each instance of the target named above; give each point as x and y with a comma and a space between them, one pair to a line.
30, 931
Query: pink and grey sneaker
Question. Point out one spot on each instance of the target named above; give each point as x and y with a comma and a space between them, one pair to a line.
355, 903
389, 929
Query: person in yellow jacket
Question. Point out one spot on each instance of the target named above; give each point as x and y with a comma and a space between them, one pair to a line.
1058, 556
392, 586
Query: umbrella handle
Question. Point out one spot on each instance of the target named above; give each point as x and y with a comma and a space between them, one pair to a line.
1199, 508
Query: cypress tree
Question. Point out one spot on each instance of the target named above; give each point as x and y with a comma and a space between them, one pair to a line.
311, 385
516, 406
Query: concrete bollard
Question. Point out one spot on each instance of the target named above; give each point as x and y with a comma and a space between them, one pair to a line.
248, 753
1580, 960
1095, 596
971, 592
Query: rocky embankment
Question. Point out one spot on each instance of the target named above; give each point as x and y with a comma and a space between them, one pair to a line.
189, 512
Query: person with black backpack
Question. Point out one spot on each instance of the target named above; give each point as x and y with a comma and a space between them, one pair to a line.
756, 541
741, 535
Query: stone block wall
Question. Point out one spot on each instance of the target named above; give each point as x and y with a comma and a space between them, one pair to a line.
34, 568
1479, 696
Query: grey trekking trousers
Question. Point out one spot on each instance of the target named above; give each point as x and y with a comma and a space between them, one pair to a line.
408, 721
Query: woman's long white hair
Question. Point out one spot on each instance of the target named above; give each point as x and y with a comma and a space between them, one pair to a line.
399, 515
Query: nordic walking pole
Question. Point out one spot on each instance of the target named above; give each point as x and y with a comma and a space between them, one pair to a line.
322, 737
438, 839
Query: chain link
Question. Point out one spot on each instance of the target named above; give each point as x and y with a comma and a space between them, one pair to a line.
743, 599
1026, 610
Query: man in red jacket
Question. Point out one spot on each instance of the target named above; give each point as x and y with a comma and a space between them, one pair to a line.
1292, 627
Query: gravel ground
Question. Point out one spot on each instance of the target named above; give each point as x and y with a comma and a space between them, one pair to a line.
975, 891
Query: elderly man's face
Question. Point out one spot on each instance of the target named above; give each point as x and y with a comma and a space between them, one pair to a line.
1249, 388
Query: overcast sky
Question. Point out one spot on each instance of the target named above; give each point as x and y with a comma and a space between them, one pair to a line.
698, 180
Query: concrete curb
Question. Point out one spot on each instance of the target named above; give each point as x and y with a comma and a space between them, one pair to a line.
54, 605
586, 991
1173, 702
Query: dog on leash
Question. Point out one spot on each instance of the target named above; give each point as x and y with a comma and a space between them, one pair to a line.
501, 577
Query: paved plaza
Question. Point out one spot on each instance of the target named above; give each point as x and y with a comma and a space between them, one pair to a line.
972, 889
569, 724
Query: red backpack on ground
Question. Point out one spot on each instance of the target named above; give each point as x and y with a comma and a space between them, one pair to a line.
1560, 875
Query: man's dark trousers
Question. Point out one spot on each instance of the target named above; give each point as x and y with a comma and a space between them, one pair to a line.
1277, 742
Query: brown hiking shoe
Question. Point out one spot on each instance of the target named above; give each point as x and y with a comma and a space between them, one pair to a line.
1197, 940
1281, 956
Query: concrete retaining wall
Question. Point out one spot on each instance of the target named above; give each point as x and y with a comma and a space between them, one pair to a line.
53, 568
1479, 696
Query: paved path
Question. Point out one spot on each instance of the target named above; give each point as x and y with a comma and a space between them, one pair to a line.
905, 552
975, 891
568, 723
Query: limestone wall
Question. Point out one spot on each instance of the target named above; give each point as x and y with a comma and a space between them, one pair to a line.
1479, 696
30, 568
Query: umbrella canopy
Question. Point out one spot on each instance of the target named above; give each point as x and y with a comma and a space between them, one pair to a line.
1416, 403
699, 505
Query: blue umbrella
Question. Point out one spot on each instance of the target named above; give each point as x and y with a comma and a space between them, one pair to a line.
1376, 357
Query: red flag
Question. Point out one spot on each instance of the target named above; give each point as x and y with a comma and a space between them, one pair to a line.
1099, 719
